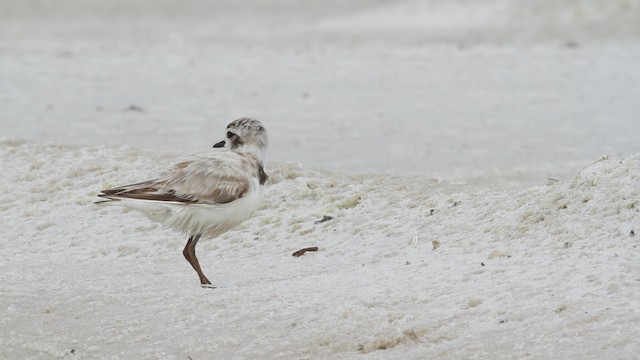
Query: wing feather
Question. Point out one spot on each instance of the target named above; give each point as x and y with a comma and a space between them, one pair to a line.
219, 178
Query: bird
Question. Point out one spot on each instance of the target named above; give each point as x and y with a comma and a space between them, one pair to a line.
207, 195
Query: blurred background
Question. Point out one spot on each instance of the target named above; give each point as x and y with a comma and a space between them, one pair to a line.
492, 92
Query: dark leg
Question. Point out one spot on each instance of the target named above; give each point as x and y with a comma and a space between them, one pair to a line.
189, 253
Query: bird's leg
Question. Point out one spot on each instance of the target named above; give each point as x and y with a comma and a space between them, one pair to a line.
189, 253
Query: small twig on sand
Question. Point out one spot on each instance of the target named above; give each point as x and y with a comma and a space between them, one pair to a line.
302, 251
324, 218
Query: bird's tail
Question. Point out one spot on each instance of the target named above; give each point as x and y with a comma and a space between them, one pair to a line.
107, 199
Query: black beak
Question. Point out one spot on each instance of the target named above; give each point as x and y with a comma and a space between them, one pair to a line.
220, 144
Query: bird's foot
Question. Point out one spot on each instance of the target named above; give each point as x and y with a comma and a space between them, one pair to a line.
208, 286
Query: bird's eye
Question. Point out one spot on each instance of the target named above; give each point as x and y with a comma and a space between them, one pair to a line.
230, 134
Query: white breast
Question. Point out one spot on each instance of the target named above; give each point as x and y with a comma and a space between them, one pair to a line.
213, 220
207, 219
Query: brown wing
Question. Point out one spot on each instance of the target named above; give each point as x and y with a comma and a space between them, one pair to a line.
190, 182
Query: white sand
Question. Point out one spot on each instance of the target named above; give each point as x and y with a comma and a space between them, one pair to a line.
459, 111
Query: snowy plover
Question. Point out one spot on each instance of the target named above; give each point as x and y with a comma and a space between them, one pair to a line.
205, 196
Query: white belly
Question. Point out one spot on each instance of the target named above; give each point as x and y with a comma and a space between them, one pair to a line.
213, 220
205, 219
